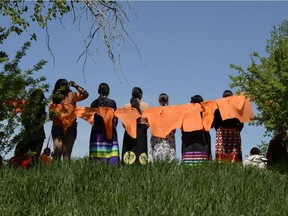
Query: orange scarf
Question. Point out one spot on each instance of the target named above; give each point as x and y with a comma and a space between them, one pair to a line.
129, 116
235, 106
68, 114
162, 120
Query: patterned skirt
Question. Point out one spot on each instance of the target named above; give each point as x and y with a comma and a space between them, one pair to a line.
102, 149
163, 149
196, 147
134, 151
228, 145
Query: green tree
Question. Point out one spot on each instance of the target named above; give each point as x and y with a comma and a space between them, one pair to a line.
265, 81
15, 85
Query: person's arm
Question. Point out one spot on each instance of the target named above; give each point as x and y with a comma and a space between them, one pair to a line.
83, 93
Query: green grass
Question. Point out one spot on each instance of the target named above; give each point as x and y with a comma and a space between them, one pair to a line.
84, 188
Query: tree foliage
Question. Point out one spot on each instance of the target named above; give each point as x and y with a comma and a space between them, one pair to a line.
265, 81
16, 85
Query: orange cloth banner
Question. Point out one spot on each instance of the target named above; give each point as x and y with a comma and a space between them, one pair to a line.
235, 106
162, 120
68, 114
129, 116
209, 108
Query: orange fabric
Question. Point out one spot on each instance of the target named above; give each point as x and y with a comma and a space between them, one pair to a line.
129, 116
17, 104
45, 159
65, 115
235, 106
68, 115
162, 120
209, 108
192, 120
87, 114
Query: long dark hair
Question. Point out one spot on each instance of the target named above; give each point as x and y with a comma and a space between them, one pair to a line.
135, 104
136, 97
60, 91
163, 99
103, 91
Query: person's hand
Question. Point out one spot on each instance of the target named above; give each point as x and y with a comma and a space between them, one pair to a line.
72, 83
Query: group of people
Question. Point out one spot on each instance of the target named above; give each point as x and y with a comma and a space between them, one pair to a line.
136, 116
196, 144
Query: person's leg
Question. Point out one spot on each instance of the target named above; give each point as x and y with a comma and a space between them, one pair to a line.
68, 143
57, 135
36, 146
58, 148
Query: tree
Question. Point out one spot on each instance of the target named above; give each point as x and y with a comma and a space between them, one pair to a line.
265, 81
15, 85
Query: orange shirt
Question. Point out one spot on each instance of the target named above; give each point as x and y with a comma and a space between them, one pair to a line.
162, 120
129, 116
235, 106
70, 100
68, 114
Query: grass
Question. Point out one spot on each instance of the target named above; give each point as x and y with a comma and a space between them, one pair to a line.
84, 188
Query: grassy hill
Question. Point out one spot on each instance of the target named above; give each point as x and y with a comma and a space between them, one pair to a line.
84, 188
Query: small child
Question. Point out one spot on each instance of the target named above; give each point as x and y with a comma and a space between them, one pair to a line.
45, 156
255, 159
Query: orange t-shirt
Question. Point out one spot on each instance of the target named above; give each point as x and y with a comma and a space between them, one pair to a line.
235, 106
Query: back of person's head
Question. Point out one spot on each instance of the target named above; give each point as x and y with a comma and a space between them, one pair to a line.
163, 99
47, 151
61, 90
227, 93
103, 89
196, 99
255, 151
37, 96
137, 93
135, 104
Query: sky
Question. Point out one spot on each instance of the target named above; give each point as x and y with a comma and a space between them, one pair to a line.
185, 47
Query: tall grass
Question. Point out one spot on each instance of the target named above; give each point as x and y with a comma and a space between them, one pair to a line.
84, 188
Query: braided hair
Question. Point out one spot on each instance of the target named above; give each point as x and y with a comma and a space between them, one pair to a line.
103, 91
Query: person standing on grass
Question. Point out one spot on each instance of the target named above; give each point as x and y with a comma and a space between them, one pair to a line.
228, 139
101, 148
64, 141
33, 119
196, 145
135, 150
163, 149
277, 152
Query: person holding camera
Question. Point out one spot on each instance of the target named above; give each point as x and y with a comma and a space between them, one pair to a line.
63, 140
